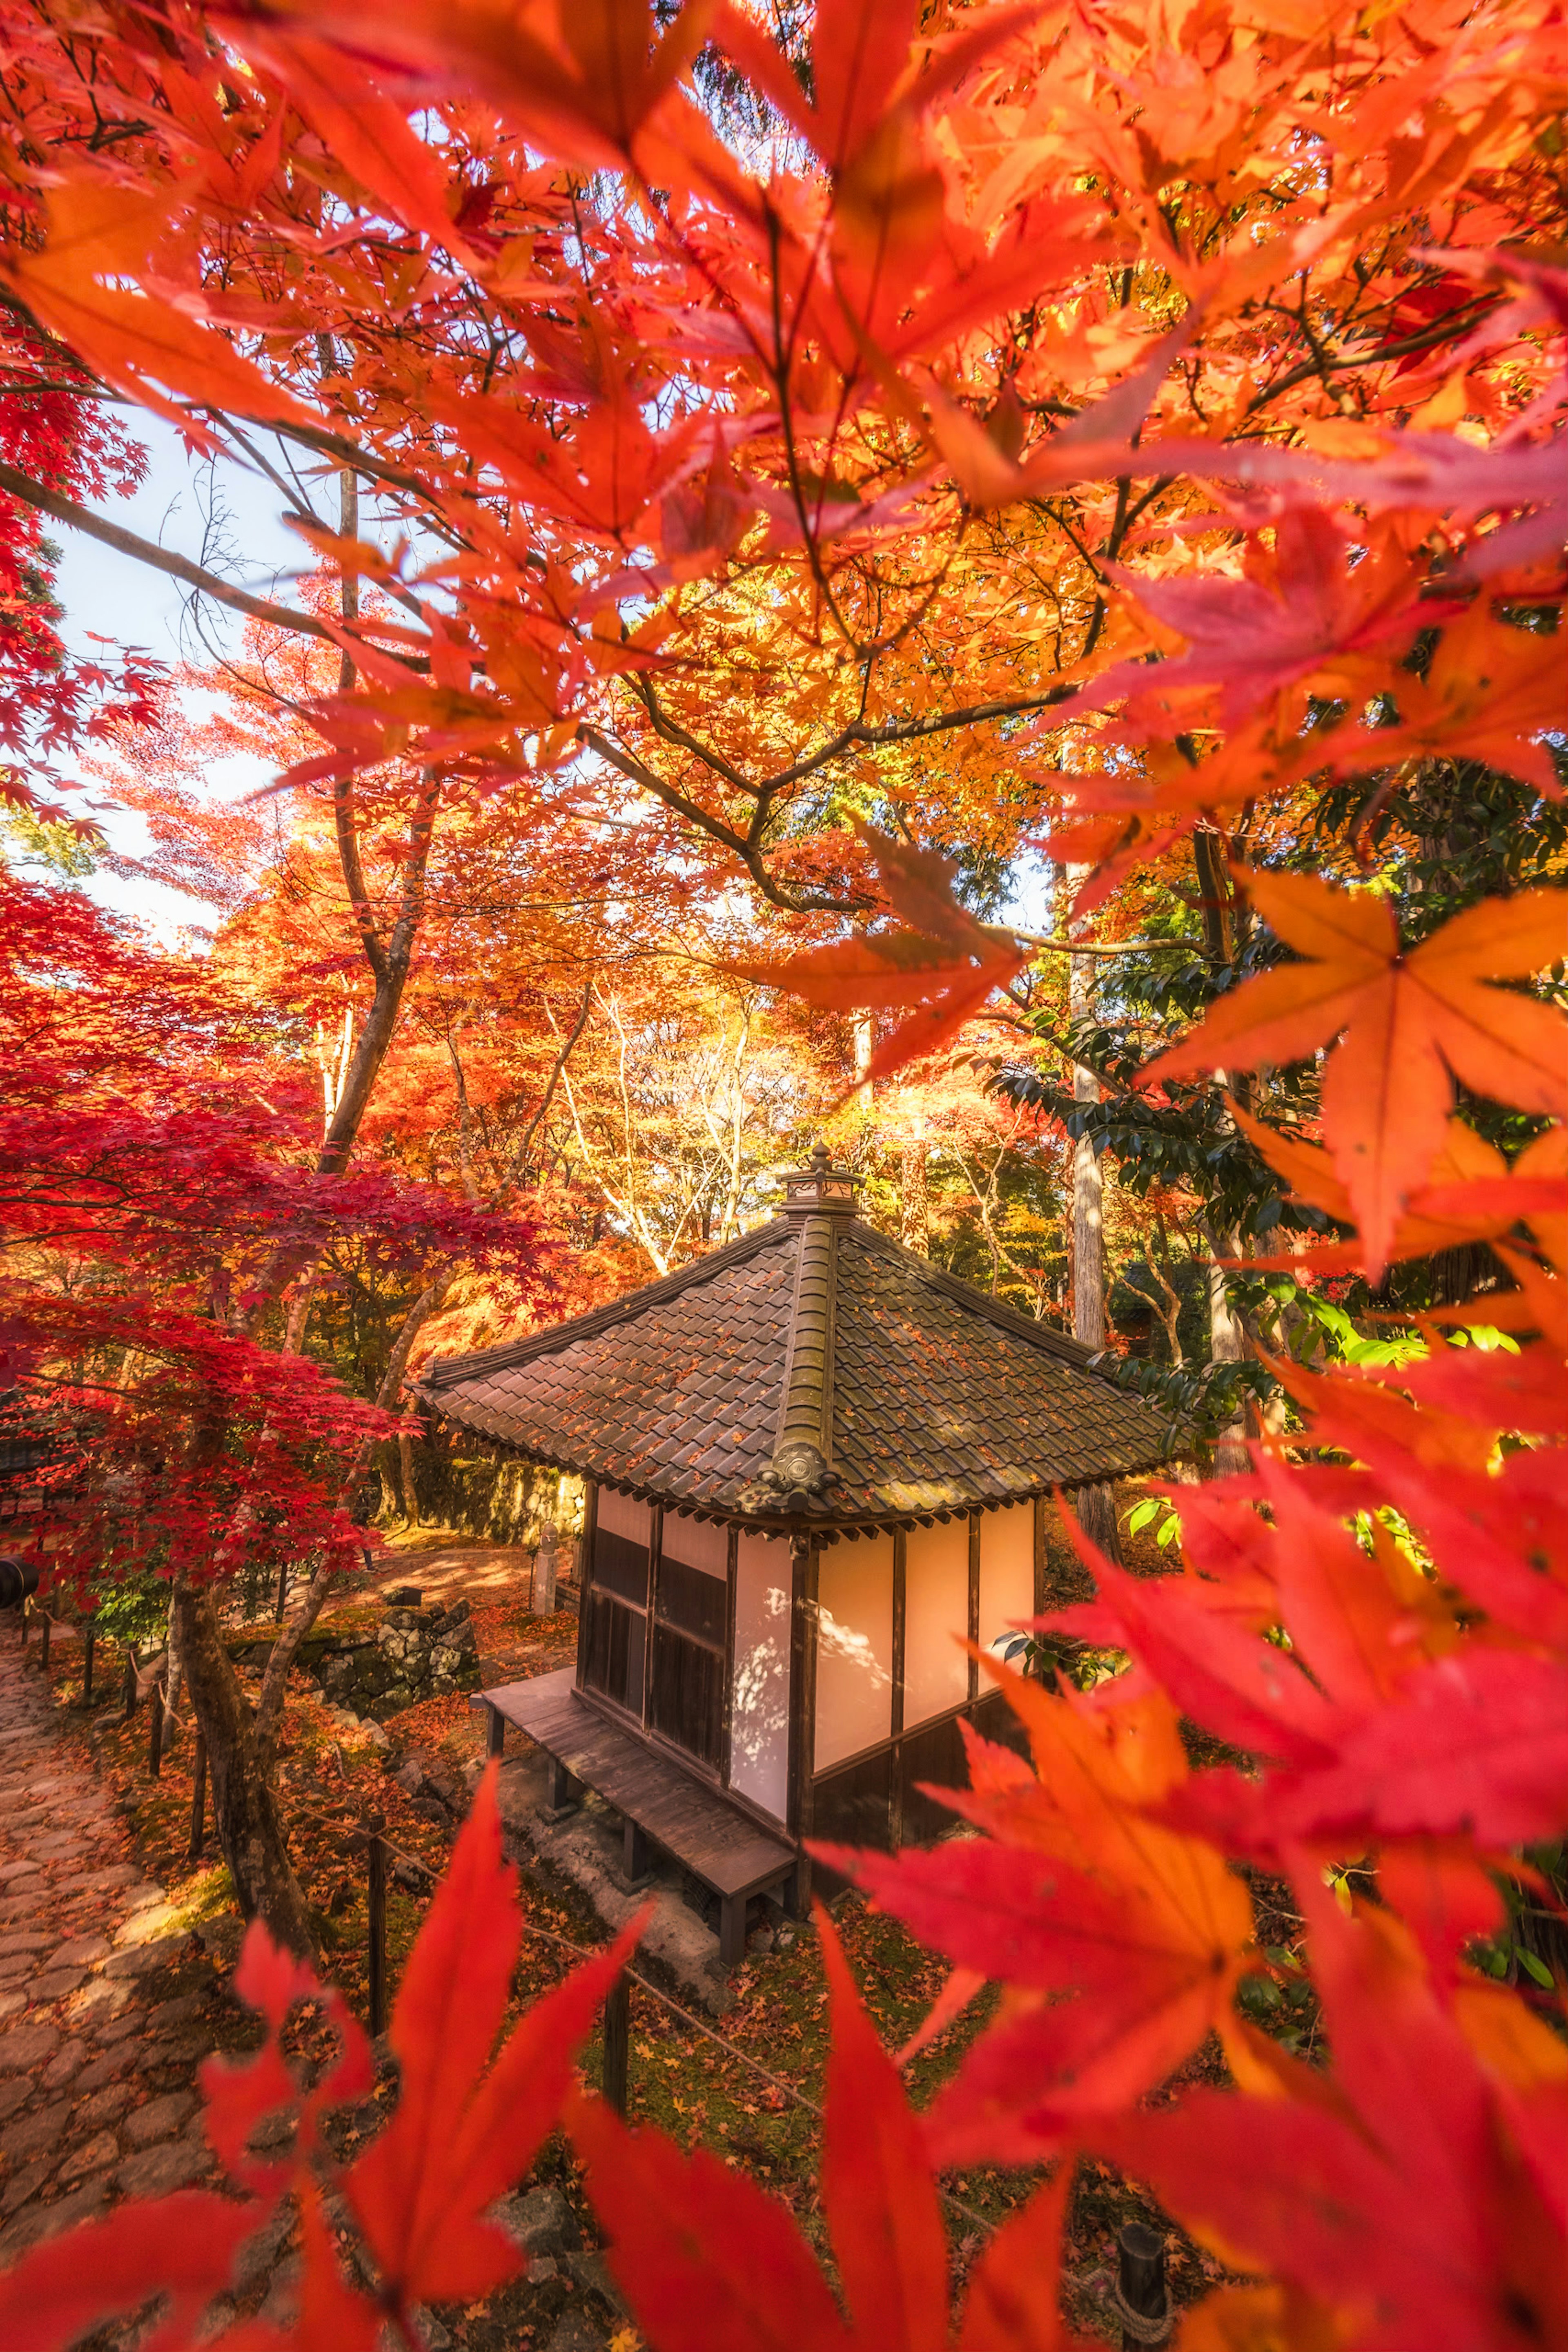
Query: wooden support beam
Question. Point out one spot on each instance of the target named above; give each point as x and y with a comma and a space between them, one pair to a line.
617, 2043
635, 1858
731, 1930
495, 1732
974, 1603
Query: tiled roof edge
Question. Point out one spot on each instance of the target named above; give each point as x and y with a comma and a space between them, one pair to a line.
446, 1371
817, 1525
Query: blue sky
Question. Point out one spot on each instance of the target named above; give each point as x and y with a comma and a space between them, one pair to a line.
115, 596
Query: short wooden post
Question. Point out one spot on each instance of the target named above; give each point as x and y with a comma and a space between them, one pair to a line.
635, 1859
43, 1640
282, 1590
87, 1640
1143, 2300
198, 1801
376, 1928
617, 2042
495, 1731
130, 1678
27, 1616
155, 1729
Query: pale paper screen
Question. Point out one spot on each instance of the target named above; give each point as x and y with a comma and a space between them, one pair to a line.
1007, 1569
759, 1710
696, 1541
854, 1648
619, 1515
936, 1607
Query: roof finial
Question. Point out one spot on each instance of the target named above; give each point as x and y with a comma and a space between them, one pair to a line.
820, 1186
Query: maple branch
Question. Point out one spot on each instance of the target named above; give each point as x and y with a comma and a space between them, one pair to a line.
910, 730
519, 1158
1424, 340
146, 551
668, 731
791, 902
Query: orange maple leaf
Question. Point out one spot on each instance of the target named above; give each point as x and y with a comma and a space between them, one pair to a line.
1080, 1889
1412, 1022
941, 959
1470, 1193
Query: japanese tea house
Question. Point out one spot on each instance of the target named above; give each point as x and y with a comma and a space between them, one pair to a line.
811, 1459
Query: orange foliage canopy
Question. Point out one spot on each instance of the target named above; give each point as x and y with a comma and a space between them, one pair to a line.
1058, 422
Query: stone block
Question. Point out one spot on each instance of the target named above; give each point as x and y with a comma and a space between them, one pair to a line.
27, 2046
159, 2120
95, 2154
158, 2171
37, 2135
539, 2221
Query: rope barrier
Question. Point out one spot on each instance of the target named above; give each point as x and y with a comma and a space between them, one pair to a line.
1139, 2325
586, 1951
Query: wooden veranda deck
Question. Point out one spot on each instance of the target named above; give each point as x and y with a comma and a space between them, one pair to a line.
659, 1802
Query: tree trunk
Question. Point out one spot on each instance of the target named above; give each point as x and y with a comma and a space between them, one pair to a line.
914, 1202
1095, 1506
269, 1706
249, 1831
405, 1476
175, 1674
1227, 1345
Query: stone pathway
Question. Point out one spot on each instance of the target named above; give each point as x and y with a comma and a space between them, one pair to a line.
106, 2008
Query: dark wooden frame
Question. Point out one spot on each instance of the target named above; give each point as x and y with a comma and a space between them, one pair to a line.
718, 1772
802, 1778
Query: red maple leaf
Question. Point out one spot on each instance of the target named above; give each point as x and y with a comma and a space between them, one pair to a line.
709, 2262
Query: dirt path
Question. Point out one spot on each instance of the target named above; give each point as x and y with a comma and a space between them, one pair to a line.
106, 2005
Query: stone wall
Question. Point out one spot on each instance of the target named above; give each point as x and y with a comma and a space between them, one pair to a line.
477, 1492
411, 1655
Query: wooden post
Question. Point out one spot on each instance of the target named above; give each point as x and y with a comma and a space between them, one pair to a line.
803, 1572
198, 1801
130, 1678
87, 1639
44, 1642
635, 1857
974, 1604
495, 1731
1141, 2286
376, 1923
617, 2042
155, 1729
27, 1613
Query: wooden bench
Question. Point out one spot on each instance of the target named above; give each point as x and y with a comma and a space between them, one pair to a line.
660, 1804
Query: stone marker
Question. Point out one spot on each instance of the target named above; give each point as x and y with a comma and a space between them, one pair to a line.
542, 1603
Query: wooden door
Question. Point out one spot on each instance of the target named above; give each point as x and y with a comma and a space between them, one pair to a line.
690, 1607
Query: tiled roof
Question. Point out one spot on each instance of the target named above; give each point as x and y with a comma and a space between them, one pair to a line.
922, 1395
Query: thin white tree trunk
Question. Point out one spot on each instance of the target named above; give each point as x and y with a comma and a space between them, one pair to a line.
1095, 1504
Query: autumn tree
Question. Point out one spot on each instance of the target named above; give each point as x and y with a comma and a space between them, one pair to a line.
1007, 428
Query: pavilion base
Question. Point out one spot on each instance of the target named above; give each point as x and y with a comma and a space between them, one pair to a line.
662, 1807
